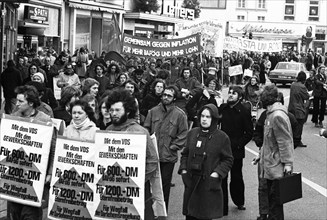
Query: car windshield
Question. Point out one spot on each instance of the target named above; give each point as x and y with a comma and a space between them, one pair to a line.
287, 66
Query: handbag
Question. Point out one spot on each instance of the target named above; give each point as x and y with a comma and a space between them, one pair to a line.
289, 188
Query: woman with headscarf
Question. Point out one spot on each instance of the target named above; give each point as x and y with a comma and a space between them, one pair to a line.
206, 159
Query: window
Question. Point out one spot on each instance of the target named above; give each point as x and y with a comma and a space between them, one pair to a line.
240, 17
289, 10
241, 3
261, 18
314, 11
221, 4
261, 3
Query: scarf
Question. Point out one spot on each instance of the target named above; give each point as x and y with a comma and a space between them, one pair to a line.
79, 126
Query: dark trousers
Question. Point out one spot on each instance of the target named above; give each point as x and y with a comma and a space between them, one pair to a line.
236, 186
297, 132
16, 211
276, 211
193, 218
319, 106
263, 194
166, 170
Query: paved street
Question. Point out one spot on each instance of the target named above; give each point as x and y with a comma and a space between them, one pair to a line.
310, 161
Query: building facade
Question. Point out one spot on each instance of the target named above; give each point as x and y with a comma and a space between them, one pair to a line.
295, 18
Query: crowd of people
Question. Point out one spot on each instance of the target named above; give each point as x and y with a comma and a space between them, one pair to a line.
168, 98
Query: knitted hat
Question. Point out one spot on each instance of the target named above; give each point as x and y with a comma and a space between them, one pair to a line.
40, 75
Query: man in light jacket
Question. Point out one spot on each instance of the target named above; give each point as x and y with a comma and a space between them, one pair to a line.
277, 152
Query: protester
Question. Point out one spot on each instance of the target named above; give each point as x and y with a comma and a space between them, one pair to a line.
206, 159
169, 124
153, 98
90, 86
122, 109
10, 78
82, 61
104, 119
69, 94
27, 102
319, 97
104, 81
68, 77
277, 152
82, 126
298, 97
236, 123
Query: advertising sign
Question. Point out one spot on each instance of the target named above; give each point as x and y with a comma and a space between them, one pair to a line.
161, 48
119, 176
24, 154
71, 193
36, 13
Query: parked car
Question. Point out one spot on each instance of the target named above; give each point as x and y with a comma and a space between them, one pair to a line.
286, 72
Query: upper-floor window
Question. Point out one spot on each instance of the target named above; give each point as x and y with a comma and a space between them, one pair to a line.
221, 4
261, 3
314, 11
241, 3
240, 17
261, 18
289, 9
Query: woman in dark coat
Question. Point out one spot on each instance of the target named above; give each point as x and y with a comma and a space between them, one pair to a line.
206, 159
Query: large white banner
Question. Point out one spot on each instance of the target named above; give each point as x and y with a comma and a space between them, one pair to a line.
24, 154
236, 44
212, 34
119, 176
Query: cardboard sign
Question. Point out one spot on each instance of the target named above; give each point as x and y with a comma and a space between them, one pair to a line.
212, 34
71, 193
161, 48
24, 153
119, 176
235, 70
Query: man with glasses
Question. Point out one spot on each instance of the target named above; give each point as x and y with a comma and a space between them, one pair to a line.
169, 123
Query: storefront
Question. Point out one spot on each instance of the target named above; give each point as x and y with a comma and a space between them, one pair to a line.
8, 32
89, 24
290, 33
39, 26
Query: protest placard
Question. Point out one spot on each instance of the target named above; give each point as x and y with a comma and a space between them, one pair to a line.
71, 190
24, 153
56, 89
161, 48
212, 34
120, 175
235, 70
236, 44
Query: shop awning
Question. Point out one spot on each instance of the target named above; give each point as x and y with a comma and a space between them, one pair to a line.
153, 17
95, 6
32, 25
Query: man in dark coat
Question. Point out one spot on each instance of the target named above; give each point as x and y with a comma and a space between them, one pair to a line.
298, 96
319, 97
50, 72
236, 123
10, 79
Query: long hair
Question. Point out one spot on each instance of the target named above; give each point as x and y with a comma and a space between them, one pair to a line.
86, 107
122, 95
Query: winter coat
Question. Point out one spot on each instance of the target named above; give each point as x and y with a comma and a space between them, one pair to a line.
151, 161
85, 133
150, 100
318, 90
203, 196
236, 122
277, 149
298, 95
10, 78
169, 123
61, 113
82, 62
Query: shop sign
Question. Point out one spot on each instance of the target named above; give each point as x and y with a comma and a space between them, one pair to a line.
178, 11
271, 29
36, 13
